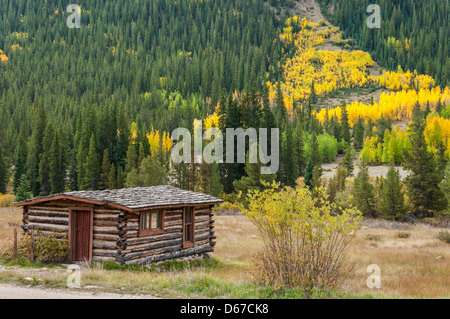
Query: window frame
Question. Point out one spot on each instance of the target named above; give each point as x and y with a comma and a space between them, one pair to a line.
191, 243
150, 231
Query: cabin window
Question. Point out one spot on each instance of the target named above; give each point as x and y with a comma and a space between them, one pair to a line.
188, 227
151, 222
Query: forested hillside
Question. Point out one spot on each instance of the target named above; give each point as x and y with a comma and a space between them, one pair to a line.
414, 34
157, 63
94, 108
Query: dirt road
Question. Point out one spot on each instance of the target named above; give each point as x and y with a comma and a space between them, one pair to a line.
8, 291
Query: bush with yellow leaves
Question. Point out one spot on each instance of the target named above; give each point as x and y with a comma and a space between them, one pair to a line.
6, 200
305, 239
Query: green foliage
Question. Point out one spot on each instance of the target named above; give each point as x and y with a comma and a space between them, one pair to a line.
445, 186
392, 198
444, 236
304, 241
47, 249
426, 51
347, 162
150, 173
388, 149
322, 149
3, 172
23, 191
364, 192
423, 182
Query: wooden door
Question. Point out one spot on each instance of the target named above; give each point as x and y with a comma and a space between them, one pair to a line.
81, 234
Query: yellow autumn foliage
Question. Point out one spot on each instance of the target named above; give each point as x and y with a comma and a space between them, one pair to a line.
3, 57
437, 129
329, 70
401, 80
159, 141
395, 105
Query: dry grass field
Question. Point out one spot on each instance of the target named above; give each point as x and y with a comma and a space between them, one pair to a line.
417, 266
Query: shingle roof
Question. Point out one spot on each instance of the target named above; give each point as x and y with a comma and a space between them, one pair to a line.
135, 198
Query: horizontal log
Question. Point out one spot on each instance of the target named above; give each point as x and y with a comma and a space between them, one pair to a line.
49, 220
105, 218
131, 252
111, 246
131, 234
154, 252
103, 259
171, 255
173, 223
203, 237
55, 228
48, 208
202, 219
151, 239
47, 214
131, 216
173, 229
202, 224
104, 253
173, 214
105, 223
172, 218
106, 237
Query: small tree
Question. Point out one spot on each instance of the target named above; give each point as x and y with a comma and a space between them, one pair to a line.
347, 161
364, 191
445, 186
3, 172
23, 191
304, 243
392, 198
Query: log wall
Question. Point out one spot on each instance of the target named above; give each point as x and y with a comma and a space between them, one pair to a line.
168, 245
53, 219
116, 232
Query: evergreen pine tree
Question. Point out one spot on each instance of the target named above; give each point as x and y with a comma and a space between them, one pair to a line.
91, 167
345, 127
347, 161
44, 164
423, 182
20, 160
112, 181
35, 149
315, 152
105, 171
358, 135
364, 191
445, 186
3, 172
56, 165
392, 199
73, 171
309, 172
23, 191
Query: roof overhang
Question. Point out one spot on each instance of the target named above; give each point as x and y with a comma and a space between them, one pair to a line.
105, 203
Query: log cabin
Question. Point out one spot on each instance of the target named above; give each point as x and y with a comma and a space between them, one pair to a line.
129, 226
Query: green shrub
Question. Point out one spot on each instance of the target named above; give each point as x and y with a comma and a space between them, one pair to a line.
47, 249
444, 236
403, 235
373, 237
